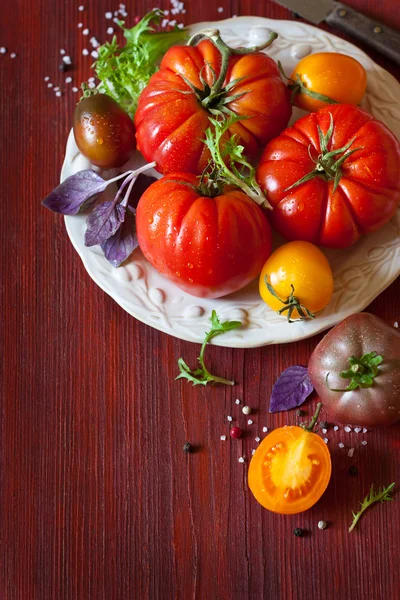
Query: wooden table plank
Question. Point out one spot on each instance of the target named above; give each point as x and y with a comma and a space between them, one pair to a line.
97, 499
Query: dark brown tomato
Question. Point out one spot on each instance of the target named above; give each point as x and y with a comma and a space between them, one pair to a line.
354, 337
104, 132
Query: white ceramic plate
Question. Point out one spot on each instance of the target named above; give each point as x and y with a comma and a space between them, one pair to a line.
360, 272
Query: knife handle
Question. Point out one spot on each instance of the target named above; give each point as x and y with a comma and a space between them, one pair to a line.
377, 36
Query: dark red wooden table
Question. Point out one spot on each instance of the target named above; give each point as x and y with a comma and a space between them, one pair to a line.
97, 498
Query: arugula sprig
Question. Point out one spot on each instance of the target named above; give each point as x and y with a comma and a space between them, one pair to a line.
124, 71
202, 376
229, 164
380, 496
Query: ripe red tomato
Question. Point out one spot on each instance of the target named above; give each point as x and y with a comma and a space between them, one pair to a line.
368, 191
209, 247
171, 117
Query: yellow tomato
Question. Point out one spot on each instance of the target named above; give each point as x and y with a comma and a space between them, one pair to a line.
336, 76
301, 279
290, 470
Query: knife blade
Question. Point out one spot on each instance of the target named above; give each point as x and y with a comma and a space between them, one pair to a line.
379, 37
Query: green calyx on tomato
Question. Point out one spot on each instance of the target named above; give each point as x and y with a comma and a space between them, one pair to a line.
290, 304
87, 92
214, 97
297, 86
362, 372
327, 164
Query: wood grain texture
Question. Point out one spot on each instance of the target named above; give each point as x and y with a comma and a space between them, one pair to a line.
97, 499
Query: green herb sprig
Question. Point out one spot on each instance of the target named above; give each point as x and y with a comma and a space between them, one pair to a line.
202, 376
124, 71
229, 165
380, 496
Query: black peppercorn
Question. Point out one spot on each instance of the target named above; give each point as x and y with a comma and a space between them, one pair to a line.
300, 413
187, 447
63, 67
353, 470
298, 532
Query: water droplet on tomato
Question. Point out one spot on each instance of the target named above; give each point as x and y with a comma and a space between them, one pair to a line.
177, 274
300, 207
282, 274
151, 220
190, 280
100, 140
190, 266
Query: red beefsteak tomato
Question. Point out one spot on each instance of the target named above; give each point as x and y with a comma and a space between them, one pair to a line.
354, 187
207, 246
174, 107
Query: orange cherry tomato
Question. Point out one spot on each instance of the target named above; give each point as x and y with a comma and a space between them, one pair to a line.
290, 470
338, 76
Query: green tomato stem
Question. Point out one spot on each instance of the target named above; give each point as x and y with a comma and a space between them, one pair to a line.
362, 372
226, 52
326, 164
311, 425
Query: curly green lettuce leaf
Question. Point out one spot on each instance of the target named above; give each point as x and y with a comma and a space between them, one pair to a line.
124, 71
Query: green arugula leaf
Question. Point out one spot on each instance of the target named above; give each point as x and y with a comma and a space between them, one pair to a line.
202, 376
380, 496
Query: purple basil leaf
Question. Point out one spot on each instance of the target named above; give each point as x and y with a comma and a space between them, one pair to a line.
103, 222
120, 246
76, 193
291, 389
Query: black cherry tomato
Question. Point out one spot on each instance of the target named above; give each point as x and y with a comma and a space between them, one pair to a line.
104, 132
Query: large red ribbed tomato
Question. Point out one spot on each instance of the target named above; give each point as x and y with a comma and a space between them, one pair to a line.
366, 166
207, 246
173, 109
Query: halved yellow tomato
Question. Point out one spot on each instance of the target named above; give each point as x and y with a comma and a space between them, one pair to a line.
290, 470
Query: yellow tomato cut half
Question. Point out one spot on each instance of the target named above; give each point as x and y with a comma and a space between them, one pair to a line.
290, 470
